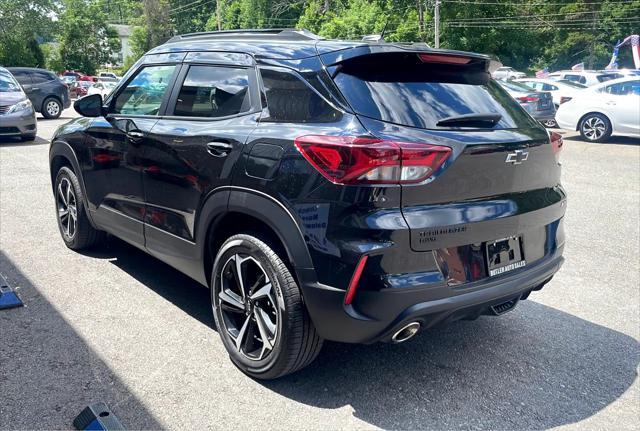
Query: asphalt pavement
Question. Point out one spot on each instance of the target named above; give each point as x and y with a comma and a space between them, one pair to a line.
120, 327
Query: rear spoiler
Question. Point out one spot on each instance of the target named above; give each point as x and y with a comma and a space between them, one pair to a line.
333, 58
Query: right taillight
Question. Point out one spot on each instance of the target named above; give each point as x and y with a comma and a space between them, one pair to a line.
564, 99
368, 160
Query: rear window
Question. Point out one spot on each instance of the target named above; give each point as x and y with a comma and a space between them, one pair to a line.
399, 88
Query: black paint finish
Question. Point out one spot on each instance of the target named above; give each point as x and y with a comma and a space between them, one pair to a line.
169, 186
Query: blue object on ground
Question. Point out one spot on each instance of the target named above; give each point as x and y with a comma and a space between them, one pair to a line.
97, 417
8, 298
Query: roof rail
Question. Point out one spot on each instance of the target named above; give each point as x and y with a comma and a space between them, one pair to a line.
289, 33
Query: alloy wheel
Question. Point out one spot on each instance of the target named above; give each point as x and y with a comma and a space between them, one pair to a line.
67, 208
248, 305
594, 128
52, 108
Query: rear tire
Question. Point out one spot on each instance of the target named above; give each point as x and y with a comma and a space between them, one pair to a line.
51, 108
264, 302
75, 227
595, 127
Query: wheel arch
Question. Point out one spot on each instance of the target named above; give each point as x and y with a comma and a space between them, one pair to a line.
248, 210
61, 154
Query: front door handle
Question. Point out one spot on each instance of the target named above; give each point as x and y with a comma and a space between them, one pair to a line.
135, 137
219, 149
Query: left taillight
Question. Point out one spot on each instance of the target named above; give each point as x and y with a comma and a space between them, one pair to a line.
527, 99
368, 160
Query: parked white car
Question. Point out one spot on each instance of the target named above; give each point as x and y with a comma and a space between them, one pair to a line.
561, 91
612, 107
507, 73
101, 88
586, 77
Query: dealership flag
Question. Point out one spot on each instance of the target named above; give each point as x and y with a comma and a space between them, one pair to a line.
613, 63
578, 67
634, 41
542, 73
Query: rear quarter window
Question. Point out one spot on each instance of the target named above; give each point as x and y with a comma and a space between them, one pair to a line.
291, 100
400, 89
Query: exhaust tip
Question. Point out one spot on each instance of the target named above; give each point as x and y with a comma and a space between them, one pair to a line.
406, 332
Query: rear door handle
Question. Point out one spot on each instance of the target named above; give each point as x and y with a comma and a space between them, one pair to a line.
219, 149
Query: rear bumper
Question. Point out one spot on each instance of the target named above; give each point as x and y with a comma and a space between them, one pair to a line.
337, 322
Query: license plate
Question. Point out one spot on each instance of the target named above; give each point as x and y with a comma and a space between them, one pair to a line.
504, 255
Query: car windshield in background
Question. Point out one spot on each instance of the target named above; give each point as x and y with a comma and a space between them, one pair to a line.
403, 90
572, 83
7, 83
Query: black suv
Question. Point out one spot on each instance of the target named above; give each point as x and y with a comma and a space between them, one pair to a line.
47, 93
340, 190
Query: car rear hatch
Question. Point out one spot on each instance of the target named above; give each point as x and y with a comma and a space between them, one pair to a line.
501, 178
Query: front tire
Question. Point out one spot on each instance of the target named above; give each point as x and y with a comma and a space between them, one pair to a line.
75, 227
259, 311
51, 108
595, 127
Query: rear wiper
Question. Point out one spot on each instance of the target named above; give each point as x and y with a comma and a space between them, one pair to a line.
471, 120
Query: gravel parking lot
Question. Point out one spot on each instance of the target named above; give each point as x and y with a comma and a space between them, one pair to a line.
120, 327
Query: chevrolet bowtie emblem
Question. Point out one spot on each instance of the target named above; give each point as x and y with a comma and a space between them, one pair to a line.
517, 157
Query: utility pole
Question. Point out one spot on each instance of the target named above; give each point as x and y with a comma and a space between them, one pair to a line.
436, 23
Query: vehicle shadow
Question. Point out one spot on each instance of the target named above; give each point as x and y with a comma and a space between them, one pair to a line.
614, 140
48, 373
534, 368
6, 142
180, 290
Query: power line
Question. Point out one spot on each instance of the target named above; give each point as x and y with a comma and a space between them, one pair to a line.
530, 4
189, 6
529, 22
531, 16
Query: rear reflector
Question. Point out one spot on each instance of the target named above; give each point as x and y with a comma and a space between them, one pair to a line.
443, 59
367, 160
355, 279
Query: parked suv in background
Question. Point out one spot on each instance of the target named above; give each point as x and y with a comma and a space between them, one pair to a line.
48, 94
341, 190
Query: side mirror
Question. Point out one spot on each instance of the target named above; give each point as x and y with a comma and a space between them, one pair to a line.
89, 106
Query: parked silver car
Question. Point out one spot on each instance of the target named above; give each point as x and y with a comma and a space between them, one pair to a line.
17, 116
506, 72
539, 104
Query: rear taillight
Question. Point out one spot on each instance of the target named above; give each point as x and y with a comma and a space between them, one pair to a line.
556, 143
526, 99
367, 160
564, 99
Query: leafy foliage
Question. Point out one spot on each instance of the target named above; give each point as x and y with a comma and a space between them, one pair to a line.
86, 40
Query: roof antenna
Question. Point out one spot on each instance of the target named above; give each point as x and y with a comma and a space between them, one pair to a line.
384, 29
378, 38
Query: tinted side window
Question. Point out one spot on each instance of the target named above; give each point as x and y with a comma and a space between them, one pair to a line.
209, 91
39, 77
574, 78
144, 93
22, 77
624, 88
549, 87
291, 100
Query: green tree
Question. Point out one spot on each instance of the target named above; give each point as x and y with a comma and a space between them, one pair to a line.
23, 24
86, 40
